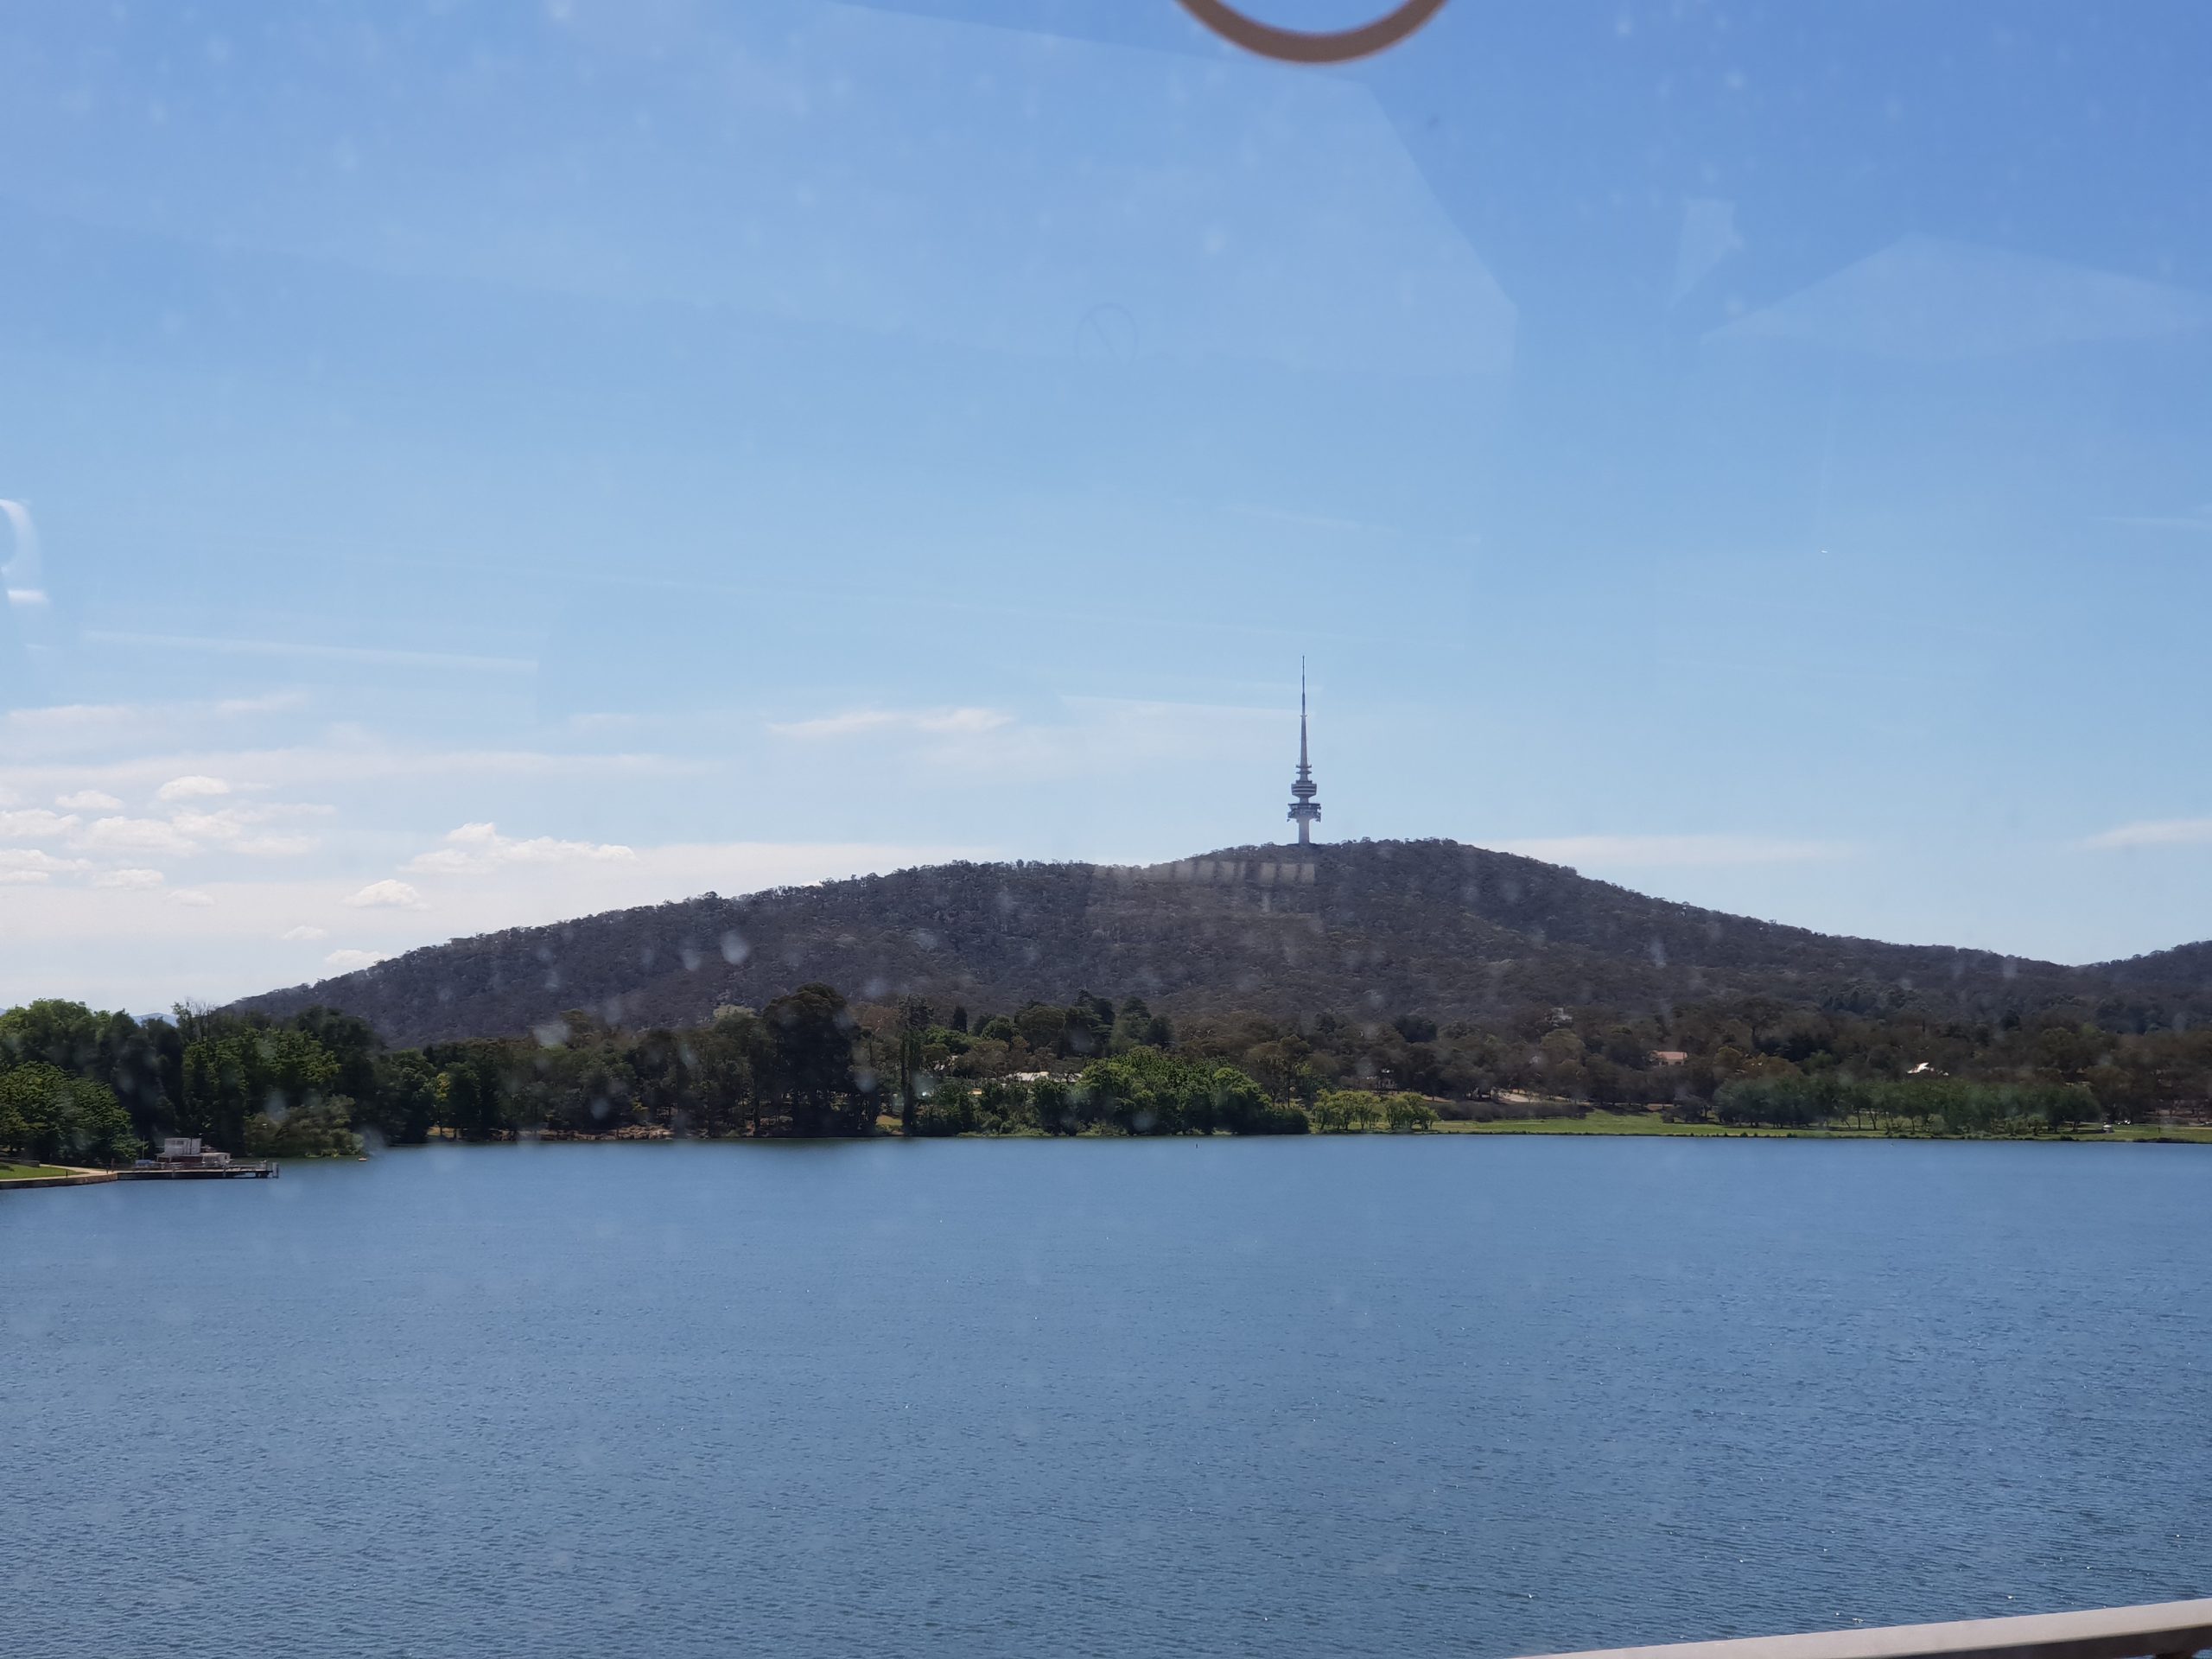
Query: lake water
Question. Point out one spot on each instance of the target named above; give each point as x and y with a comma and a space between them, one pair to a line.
1467, 1395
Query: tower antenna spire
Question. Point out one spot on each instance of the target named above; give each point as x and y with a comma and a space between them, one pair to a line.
1305, 811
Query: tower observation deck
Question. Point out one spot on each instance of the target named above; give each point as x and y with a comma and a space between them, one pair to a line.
1305, 811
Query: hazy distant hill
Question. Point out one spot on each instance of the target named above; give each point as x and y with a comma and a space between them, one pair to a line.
1431, 926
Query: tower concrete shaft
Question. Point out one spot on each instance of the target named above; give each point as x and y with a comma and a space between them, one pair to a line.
1305, 811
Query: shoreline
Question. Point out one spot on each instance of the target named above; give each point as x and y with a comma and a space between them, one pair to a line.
61, 1175
1610, 1125
1632, 1126
1617, 1125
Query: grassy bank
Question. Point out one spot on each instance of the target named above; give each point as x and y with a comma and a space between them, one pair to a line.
1650, 1123
28, 1171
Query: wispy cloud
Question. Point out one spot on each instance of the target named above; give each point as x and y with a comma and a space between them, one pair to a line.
128, 879
110, 945
1652, 852
35, 823
21, 575
193, 898
1098, 736
89, 800
347, 961
193, 787
378, 656
934, 722
2154, 832
121, 834
159, 734
186, 832
476, 847
32, 862
70, 716
237, 829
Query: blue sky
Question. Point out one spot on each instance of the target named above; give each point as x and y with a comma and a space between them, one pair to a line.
469, 465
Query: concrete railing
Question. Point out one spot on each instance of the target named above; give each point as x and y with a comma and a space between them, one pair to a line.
2165, 1630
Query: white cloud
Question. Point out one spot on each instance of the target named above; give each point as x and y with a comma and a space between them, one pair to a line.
377, 655
226, 824
163, 738
347, 961
1649, 852
476, 847
271, 702
89, 800
22, 878
229, 825
2154, 832
70, 717
191, 788
304, 932
128, 879
274, 846
139, 835
20, 573
192, 897
31, 859
186, 832
387, 896
349, 762
934, 722
1095, 737
35, 823
114, 949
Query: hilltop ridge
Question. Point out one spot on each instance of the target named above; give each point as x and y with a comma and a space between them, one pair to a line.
1381, 926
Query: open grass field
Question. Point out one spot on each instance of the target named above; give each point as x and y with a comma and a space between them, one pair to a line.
26, 1172
1631, 1123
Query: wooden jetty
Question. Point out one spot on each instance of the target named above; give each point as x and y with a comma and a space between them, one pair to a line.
150, 1170
183, 1158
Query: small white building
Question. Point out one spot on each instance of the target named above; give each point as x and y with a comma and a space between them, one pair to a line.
185, 1151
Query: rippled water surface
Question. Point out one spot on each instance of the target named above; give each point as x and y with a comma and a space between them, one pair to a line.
1327, 1396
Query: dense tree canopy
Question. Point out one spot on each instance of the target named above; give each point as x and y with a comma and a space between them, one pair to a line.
50, 1116
93, 1087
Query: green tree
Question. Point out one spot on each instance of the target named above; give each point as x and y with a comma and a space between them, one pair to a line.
352, 1045
1043, 1028
811, 1060
1055, 1110
236, 1072
1342, 1112
65, 1035
405, 1102
730, 1057
915, 1022
1143, 1091
473, 1090
143, 1062
322, 1129
1408, 1114
50, 1116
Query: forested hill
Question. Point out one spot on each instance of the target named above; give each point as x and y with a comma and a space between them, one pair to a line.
1449, 930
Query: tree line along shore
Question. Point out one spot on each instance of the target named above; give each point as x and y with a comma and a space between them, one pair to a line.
89, 1088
